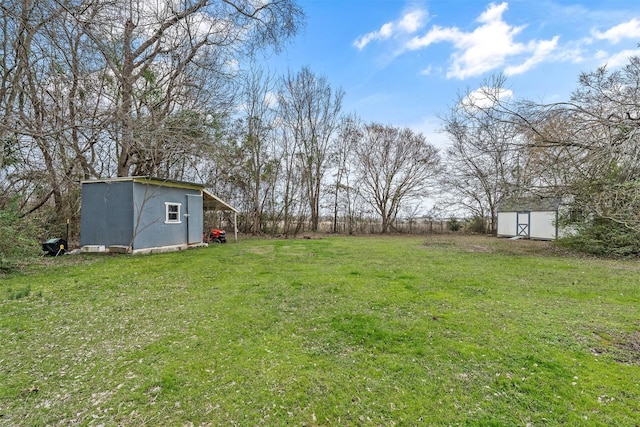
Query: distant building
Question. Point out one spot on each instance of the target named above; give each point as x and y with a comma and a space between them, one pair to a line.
532, 218
144, 214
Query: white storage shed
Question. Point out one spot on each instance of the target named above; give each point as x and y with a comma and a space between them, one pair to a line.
534, 218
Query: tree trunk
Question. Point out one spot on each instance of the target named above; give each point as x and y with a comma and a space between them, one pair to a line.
126, 120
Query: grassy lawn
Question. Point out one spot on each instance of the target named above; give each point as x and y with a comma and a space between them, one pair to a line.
336, 331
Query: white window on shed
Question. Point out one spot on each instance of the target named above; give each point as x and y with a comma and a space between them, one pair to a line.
172, 213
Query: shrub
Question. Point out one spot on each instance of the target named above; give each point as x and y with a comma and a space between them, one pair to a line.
453, 224
18, 238
604, 237
477, 224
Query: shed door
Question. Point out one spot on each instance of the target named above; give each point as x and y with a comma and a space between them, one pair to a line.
194, 217
523, 224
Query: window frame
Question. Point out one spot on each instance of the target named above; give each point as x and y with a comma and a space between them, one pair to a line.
169, 213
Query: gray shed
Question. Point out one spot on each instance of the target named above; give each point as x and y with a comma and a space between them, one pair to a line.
533, 218
144, 214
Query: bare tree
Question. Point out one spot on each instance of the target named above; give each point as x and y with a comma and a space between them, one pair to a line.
258, 108
310, 109
349, 133
136, 39
484, 160
395, 166
586, 150
89, 89
587, 146
27, 99
290, 183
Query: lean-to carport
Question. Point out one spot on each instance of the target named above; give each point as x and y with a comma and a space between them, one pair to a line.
211, 202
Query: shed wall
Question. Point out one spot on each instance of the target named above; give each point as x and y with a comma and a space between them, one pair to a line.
507, 224
150, 228
133, 213
107, 213
543, 225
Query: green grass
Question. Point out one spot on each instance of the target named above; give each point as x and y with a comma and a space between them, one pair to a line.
334, 331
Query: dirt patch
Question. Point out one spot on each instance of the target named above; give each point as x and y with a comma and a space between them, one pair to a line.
490, 244
480, 248
631, 346
622, 348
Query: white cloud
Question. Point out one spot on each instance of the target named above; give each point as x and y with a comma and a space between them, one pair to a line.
409, 23
486, 97
619, 59
541, 51
426, 71
573, 51
271, 99
487, 47
626, 30
436, 34
412, 21
430, 127
601, 55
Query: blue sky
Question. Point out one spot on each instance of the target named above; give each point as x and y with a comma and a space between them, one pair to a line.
404, 62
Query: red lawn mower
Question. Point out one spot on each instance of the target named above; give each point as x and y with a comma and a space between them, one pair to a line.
215, 236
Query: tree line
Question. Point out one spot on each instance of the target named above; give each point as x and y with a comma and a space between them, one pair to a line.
175, 90
104, 89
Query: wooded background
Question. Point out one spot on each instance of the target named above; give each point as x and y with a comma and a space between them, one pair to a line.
176, 90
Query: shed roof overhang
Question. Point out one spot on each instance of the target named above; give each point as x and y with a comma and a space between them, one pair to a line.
212, 202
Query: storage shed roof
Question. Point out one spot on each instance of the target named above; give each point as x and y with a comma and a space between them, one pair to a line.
212, 202
209, 200
533, 204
